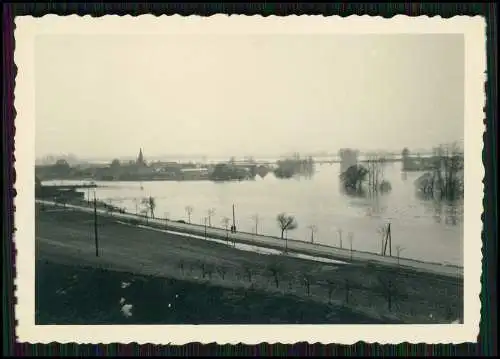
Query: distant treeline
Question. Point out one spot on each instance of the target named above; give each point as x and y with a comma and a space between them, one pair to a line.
290, 167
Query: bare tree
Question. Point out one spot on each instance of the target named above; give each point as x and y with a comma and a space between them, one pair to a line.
275, 270
382, 231
399, 249
375, 166
445, 180
210, 213
449, 165
313, 229
209, 270
286, 223
350, 236
189, 212
331, 287
206, 270
248, 273
150, 204
222, 271
307, 278
145, 213
389, 289
136, 203
203, 268
181, 267
225, 222
255, 219
347, 291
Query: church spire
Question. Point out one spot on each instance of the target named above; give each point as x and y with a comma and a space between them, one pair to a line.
140, 158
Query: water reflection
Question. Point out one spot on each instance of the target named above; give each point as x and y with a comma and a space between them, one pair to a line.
373, 204
445, 212
377, 205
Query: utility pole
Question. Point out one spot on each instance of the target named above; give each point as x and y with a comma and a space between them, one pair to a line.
205, 227
351, 238
390, 238
96, 235
234, 222
255, 217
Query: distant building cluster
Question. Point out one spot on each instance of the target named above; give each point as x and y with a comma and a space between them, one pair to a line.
141, 170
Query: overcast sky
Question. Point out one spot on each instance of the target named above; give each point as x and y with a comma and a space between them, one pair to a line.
221, 95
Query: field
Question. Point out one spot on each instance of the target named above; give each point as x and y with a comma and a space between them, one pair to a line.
215, 283
76, 295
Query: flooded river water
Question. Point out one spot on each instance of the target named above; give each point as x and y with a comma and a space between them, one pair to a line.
424, 230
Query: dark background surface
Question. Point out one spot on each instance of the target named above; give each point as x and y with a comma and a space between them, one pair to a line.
487, 343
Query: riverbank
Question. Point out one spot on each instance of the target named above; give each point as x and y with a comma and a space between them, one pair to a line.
384, 295
291, 245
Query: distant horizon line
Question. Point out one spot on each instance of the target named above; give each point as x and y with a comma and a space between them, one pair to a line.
240, 155
220, 156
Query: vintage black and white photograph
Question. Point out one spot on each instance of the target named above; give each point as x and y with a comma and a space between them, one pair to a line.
233, 177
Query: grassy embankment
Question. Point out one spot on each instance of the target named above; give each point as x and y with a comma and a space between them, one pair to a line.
295, 246
215, 283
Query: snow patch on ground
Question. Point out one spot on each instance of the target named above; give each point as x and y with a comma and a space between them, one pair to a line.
127, 310
245, 247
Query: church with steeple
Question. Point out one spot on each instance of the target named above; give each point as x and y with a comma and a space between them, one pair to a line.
140, 159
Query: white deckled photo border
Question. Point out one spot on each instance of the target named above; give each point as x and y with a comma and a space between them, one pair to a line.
28, 28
